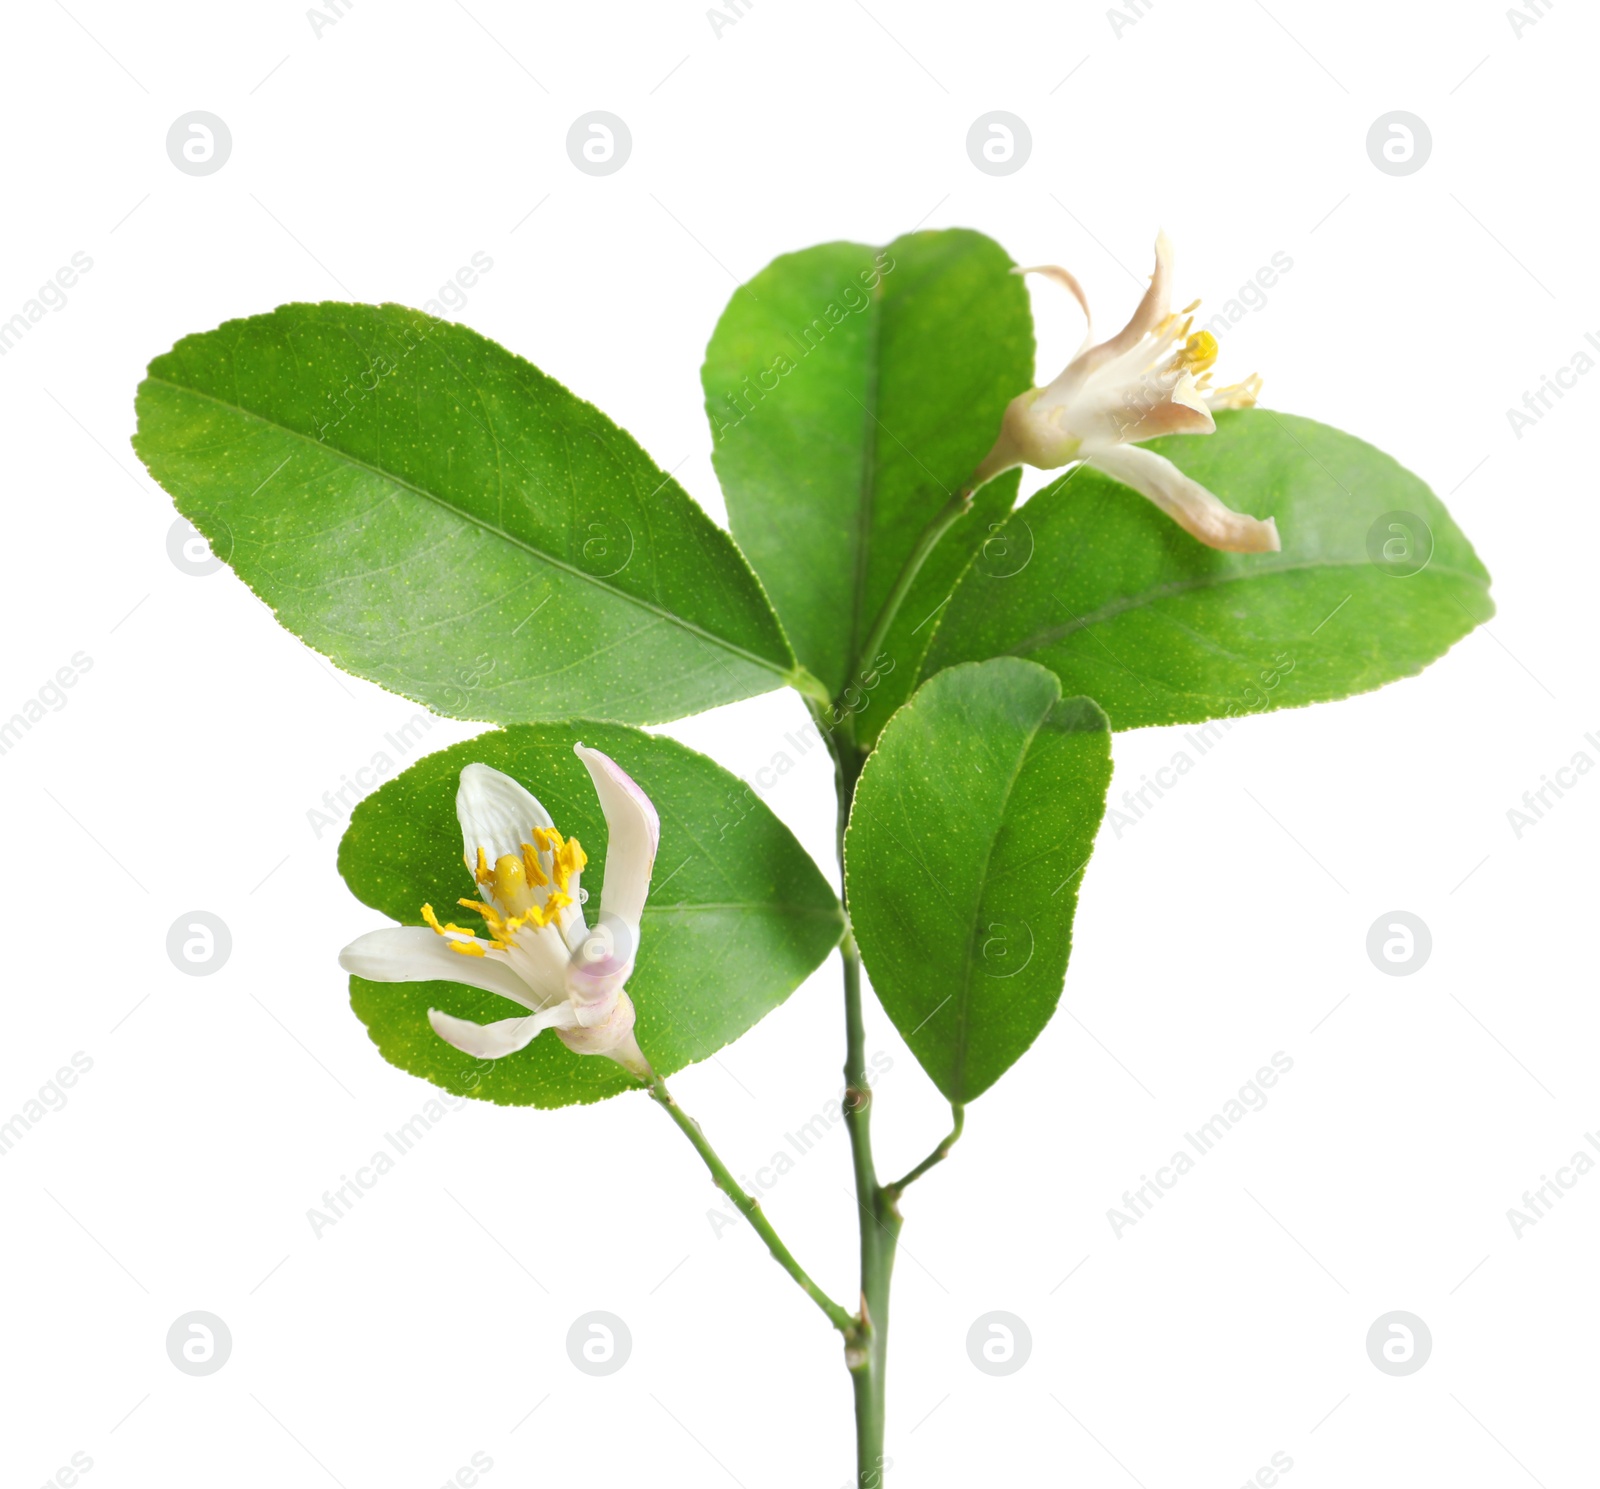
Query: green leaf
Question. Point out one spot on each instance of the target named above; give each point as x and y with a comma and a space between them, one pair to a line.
435, 514
972, 823
1124, 606
851, 392
738, 914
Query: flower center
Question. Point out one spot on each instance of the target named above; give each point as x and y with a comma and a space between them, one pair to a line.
512, 889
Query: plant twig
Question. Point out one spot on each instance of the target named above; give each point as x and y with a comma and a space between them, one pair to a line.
750, 1208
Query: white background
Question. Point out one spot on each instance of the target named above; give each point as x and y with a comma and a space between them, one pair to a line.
371, 162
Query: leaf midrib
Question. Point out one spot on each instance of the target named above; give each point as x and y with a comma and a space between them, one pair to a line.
1129, 603
784, 673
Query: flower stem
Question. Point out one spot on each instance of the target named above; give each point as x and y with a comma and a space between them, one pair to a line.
750, 1208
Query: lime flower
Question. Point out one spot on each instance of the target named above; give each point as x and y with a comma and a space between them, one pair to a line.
540, 951
1152, 378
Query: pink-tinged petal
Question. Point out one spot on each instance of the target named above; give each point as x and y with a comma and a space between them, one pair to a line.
495, 1041
413, 953
496, 813
1069, 283
1185, 410
614, 1038
1197, 511
1151, 311
633, 831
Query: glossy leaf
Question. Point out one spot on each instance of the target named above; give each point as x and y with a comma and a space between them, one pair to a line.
971, 827
435, 514
1124, 606
738, 914
851, 391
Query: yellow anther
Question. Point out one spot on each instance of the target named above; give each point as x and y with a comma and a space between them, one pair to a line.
449, 925
1238, 395
569, 860
488, 912
481, 873
466, 948
1191, 307
530, 865
1199, 352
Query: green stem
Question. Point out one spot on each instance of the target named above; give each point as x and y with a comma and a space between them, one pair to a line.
937, 527
750, 1207
958, 1117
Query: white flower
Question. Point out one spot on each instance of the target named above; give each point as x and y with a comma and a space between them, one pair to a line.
1153, 377
540, 952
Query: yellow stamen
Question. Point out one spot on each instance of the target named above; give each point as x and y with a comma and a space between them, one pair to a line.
530, 865
448, 927
1199, 352
1238, 395
467, 948
488, 912
481, 873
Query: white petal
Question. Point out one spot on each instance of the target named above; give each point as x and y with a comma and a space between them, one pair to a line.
504, 1037
497, 814
613, 1038
413, 953
633, 831
1070, 284
1149, 314
1187, 502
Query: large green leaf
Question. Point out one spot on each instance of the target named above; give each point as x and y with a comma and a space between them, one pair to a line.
1124, 606
851, 392
738, 914
437, 515
972, 823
